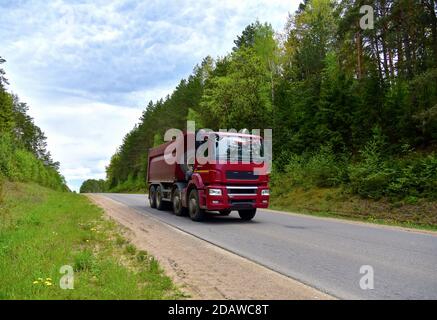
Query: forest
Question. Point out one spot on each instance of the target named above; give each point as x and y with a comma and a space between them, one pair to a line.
23, 147
350, 107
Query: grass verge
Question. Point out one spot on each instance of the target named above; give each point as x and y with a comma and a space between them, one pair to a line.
42, 230
333, 202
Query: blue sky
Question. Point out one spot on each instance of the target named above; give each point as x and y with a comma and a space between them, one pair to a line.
88, 68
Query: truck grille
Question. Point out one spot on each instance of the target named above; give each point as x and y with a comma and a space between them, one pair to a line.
241, 175
241, 190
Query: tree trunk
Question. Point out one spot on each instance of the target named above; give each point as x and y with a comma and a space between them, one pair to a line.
433, 9
377, 56
359, 43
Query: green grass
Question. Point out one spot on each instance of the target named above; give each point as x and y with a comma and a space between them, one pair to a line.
42, 230
334, 203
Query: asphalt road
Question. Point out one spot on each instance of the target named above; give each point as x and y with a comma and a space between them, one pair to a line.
326, 254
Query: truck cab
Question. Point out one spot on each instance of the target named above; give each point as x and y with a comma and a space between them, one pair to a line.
233, 178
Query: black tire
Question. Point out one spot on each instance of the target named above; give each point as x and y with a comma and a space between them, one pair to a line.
152, 197
176, 200
196, 213
226, 212
247, 214
158, 198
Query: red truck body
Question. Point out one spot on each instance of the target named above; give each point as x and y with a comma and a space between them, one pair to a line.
159, 170
215, 186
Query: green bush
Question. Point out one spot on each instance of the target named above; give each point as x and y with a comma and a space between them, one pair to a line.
1, 192
321, 169
18, 164
373, 174
413, 176
369, 177
324, 169
369, 182
378, 175
6, 157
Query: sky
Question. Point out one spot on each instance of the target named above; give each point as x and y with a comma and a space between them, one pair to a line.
87, 69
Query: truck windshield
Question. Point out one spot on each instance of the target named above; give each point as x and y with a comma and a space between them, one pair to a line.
239, 148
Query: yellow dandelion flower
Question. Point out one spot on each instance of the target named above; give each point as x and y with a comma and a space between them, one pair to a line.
48, 279
36, 282
48, 283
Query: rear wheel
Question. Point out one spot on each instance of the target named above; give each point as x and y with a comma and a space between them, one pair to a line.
247, 214
158, 197
196, 213
178, 209
152, 197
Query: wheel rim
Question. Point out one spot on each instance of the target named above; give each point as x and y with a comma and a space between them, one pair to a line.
158, 198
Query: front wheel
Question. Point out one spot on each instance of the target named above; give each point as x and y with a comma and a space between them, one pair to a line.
178, 209
196, 213
247, 214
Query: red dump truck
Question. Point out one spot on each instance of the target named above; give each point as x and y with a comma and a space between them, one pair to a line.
220, 185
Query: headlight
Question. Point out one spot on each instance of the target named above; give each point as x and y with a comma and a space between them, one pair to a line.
265, 192
215, 192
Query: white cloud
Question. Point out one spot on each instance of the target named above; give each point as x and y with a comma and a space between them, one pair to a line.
88, 68
83, 135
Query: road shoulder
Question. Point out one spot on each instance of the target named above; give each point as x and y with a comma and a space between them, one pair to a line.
353, 222
203, 270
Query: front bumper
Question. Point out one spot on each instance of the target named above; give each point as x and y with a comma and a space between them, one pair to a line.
235, 198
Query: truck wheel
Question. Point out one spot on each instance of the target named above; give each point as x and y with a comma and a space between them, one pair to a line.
196, 213
178, 209
226, 212
152, 197
158, 198
247, 214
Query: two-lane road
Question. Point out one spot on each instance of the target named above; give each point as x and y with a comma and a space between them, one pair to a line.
324, 253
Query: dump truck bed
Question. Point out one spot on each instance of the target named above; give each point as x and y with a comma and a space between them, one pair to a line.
159, 170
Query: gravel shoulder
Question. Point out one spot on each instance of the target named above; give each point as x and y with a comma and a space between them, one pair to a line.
202, 270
